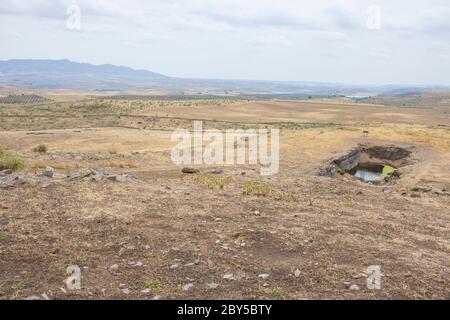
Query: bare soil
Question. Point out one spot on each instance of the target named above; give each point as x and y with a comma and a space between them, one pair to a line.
149, 236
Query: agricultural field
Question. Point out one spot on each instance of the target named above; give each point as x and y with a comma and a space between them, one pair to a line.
23, 99
89, 181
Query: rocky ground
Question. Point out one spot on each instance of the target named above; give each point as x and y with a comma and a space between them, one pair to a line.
109, 201
171, 235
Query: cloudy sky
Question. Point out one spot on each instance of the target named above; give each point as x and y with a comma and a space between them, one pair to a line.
346, 41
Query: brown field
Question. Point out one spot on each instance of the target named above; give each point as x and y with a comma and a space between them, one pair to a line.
150, 235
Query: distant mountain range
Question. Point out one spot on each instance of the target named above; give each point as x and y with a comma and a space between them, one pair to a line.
65, 74
60, 74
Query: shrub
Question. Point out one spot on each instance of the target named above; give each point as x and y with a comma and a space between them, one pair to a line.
41, 148
9, 161
152, 284
212, 181
257, 189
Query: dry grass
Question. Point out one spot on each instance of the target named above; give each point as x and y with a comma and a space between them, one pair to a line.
212, 181
10, 161
258, 189
40, 148
329, 228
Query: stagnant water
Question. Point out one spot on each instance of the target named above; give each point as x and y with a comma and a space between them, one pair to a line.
372, 173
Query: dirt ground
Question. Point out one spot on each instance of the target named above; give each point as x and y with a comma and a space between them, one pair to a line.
162, 234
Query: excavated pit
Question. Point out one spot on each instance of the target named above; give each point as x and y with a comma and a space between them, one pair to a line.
370, 164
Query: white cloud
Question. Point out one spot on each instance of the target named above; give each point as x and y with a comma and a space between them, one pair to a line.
286, 39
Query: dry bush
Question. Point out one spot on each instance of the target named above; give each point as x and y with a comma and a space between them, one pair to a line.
9, 161
212, 181
40, 148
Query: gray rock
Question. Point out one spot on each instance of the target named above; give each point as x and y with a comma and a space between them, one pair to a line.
156, 297
19, 180
99, 174
422, 189
117, 178
214, 171
190, 170
5, 172
212, 285
98, 177
188, 287
354, 287
228, 276
49, 171
114, 267
12, 180
81, 174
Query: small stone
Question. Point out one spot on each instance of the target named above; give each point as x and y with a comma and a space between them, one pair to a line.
297, 273
422, 189
263, 276
80, 174
114, 267
354, 287
212, 285
98, 177
45, 296
63, 290
156, 297
228, 276
145, 291
407, 274
49, 171
125, 291
256, 213
387, 190
32, 298
5, 172
265, 285
174, 266
188, 287
190, 170
214, 171
218, 219
190, 264
117, 178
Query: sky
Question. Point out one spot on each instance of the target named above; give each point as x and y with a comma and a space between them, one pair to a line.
342, 41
